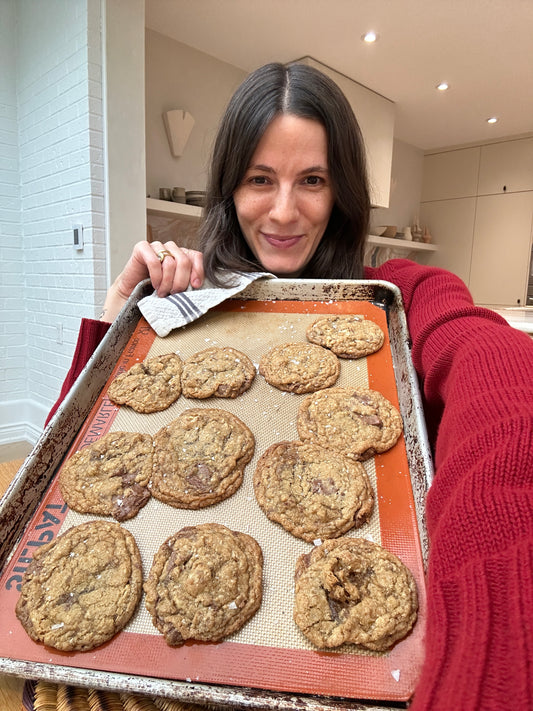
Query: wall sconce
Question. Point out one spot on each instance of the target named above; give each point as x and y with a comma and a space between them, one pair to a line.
178, 124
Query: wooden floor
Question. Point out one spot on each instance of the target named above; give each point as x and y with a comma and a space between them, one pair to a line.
12, 456
14, 450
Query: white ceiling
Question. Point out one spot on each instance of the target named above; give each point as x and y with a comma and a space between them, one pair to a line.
482, 48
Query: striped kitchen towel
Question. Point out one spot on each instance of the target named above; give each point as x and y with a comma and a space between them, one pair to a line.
166, 314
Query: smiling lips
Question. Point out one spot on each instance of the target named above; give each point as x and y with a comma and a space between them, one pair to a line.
282, 242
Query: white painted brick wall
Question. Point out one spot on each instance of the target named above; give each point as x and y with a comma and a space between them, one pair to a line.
12, 327
56, 120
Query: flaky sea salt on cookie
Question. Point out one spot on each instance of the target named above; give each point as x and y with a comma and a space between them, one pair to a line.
205, 583
348, 336
82, 588
217, 372
150, 386
199, 458
349, 590
357, 422
313, 492
299, 367
110, 476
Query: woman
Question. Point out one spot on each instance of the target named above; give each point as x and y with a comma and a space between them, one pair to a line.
288, 193
320, 134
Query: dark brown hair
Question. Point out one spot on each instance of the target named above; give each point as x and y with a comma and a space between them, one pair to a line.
303, 91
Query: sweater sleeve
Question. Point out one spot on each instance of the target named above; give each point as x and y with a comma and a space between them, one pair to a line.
477, 380
90, 334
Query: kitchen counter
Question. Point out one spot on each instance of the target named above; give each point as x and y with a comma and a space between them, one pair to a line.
520, 317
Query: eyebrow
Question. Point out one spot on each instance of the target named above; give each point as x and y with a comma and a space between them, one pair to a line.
306, 171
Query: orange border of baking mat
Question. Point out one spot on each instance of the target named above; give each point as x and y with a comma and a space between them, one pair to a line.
388, 677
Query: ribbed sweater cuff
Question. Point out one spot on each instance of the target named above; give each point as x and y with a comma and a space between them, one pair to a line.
473, 660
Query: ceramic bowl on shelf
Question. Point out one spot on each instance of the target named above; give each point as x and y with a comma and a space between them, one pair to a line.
178, 195
390, 231
195, 197
378, 231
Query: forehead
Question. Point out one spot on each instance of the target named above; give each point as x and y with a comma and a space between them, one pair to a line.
295, 139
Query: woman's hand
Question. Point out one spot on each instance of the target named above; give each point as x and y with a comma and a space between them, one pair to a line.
175, 271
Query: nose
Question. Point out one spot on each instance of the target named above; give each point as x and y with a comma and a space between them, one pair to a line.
284, 207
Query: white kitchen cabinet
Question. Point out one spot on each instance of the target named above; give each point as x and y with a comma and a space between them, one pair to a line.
483, 231
375, 115
501, 245
452, 227
506, 167
451, 174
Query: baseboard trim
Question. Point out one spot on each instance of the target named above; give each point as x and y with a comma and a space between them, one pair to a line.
21, 420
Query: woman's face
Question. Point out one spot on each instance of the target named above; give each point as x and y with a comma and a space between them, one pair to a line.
285, 199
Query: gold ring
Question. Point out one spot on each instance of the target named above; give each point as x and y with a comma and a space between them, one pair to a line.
164, 253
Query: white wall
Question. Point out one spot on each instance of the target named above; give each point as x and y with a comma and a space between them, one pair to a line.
12, 328
124, 126
406, 187
54, 109
180, 77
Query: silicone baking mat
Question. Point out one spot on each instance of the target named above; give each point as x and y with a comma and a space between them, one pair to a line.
269, 652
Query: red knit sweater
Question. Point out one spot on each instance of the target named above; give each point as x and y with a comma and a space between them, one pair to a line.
477, 381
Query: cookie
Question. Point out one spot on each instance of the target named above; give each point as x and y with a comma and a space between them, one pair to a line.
217, 372
352, 590
348, 336
150, 386
199, 458
109, 477
82, 588
313, 492
204, 584
299, 367
356, 422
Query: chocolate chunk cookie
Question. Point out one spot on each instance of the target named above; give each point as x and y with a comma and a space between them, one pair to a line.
204, 584
352, 590
109, 477
82, 588
150, 386
299, 367
313, 492
218, 372
199, 458
348, 336
357, 422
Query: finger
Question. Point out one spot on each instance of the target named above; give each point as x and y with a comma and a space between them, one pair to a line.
188, 269
197, 268
176, 268
179, 270
137, 267
149, 253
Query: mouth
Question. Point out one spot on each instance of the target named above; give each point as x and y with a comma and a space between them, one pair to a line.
282, 241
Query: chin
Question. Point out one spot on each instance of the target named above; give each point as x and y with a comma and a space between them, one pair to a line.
284, 271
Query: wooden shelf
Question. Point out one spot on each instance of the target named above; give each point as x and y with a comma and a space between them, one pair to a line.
403, 245
167, 208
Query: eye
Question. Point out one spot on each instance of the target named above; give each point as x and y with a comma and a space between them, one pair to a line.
313, 180
258, 180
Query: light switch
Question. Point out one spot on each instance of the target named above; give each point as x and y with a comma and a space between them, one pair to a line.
78, 237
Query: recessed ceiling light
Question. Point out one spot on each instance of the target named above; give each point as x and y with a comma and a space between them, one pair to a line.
369, 37
443, 86
492, 119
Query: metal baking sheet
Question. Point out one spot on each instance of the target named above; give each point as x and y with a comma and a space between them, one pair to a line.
270, 680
